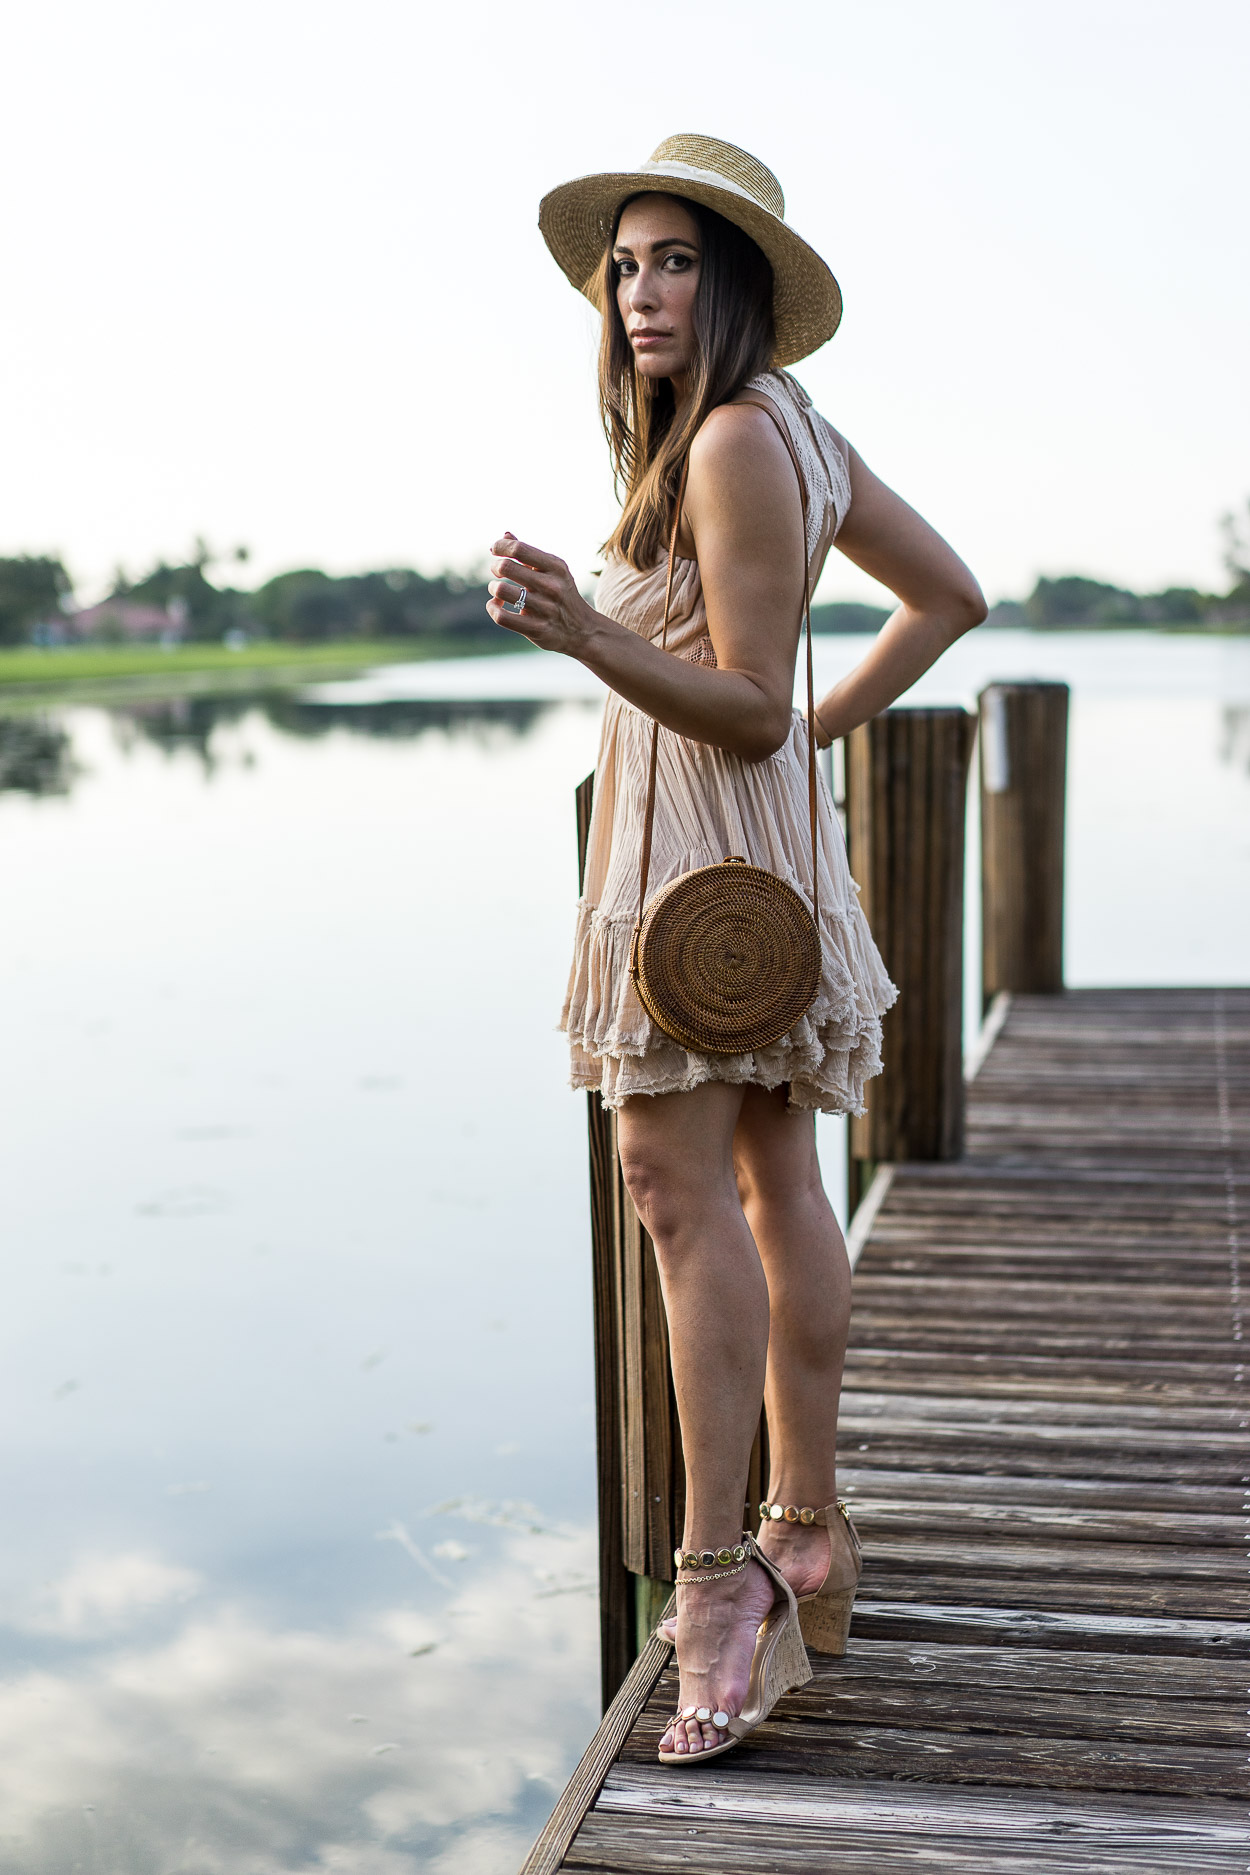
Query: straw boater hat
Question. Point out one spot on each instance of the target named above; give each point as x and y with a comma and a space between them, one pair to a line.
576, 220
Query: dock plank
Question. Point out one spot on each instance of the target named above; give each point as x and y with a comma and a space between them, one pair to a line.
789, 1824
1045, 1437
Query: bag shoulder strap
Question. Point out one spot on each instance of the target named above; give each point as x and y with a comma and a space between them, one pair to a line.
761, 403
766, 404
648, 823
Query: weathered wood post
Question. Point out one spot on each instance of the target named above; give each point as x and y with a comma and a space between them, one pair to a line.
906, 790
616, 1589
1024, 751
641, 1471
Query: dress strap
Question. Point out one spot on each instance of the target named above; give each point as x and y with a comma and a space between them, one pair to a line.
649, 820
766, 404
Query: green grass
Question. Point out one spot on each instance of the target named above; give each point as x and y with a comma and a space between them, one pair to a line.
75, 664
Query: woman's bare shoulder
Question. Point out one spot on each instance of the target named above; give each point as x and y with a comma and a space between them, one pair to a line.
738, 443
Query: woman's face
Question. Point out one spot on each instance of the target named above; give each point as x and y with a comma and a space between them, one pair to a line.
657, 264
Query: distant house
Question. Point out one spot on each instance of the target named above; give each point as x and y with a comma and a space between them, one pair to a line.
132, 620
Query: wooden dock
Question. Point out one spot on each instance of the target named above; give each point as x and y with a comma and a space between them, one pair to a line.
1044, 1436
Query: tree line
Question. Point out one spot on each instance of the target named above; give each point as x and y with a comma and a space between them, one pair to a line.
308, 606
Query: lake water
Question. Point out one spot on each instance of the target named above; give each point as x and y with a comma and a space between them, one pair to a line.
297, 1401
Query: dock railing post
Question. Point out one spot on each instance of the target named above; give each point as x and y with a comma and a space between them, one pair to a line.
906, 803
607, 1198
641, 1471
1024, 750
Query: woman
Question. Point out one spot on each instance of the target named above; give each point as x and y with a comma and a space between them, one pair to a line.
705, 292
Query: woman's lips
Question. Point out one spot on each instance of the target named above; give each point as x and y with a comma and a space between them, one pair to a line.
644, 340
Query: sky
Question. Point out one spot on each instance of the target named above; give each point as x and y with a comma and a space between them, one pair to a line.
274, 276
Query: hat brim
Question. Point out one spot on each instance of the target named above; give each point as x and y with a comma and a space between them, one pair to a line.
576, 220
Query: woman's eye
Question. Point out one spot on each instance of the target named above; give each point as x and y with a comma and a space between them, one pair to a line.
624, 268
678, 262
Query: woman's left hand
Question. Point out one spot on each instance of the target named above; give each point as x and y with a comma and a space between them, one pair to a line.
556, 617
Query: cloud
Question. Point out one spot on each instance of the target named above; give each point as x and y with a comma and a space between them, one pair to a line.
234, 1745
104, 1594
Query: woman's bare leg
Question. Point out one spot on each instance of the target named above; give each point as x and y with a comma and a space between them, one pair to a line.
809, 1294
677, 1156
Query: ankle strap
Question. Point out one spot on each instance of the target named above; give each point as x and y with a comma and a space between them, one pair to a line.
793, 1513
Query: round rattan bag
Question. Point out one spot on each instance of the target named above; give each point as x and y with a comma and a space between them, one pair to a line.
727, 958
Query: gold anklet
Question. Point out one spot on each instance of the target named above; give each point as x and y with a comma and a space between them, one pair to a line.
709, 1558
716, 1575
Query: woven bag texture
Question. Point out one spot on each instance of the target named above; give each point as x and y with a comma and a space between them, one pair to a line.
728, 958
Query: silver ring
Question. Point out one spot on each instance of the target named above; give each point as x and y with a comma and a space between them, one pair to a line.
517, 609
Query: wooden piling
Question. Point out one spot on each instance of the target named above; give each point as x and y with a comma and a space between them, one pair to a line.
616, 1587
906, 786
1024, 747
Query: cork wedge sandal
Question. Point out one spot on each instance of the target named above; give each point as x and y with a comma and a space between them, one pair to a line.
778, 1665
825, 1617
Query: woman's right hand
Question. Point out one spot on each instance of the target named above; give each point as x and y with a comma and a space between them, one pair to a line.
556, 617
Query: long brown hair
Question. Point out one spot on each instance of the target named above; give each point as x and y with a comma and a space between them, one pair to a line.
733, 342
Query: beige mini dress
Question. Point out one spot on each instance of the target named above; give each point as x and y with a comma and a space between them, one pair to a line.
711, 804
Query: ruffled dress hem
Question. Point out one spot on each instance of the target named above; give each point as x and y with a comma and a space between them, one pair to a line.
823, 1061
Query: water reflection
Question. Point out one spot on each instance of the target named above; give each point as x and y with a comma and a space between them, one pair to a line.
1235, 736
296, 1316
36, 756
178, 725
36, 751
483, 719
197, 1734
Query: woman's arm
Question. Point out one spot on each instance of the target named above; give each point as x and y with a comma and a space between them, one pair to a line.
742, 518
939, 600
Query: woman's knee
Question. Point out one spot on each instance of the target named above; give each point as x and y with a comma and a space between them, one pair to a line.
777, 1185
679, 1200
775, 1157
656, 1184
